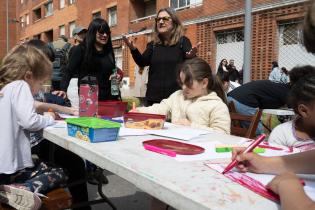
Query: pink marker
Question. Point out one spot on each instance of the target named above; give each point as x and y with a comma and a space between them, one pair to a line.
159, 150
248, 149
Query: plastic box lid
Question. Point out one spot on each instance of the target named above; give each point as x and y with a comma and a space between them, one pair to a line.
93, 122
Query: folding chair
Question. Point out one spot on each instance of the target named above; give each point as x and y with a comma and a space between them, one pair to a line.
236, 126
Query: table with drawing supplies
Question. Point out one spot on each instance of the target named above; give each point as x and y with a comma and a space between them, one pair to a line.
184, 181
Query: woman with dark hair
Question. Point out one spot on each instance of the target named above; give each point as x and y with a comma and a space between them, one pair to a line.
223, 67
94, 57
168, 48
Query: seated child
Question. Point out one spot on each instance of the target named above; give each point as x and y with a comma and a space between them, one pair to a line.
298, 132
201, 103
23, 72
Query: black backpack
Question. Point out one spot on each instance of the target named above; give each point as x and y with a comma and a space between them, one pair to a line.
61, 61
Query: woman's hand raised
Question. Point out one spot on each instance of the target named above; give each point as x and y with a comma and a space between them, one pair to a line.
129, 42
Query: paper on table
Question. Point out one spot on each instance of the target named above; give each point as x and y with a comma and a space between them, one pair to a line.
65, 116
131, 132
58, 124
209, 153
257, 182
182, 133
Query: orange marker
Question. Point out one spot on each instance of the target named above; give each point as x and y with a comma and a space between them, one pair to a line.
50, 110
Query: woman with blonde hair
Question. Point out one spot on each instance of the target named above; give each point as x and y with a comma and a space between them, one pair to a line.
168, 49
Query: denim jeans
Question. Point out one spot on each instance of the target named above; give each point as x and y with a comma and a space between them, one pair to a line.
246, 110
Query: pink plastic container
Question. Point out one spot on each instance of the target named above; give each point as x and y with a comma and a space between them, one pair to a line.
112, 108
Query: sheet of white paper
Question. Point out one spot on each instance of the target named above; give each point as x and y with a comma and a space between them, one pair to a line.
266, 178
209, 153
65, 116
58, 124
131, 132
182, 133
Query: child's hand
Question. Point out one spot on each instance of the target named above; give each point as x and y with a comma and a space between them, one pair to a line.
183, 122
52, 114
283, 180
249, 161
60, 93
74, 111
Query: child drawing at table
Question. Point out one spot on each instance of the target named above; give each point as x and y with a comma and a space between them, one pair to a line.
301, 130
23, 72
201, 103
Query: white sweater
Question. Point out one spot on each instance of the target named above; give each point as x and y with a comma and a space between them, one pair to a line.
17, 117
207, 112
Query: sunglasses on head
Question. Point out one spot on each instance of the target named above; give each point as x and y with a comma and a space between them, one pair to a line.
165, 19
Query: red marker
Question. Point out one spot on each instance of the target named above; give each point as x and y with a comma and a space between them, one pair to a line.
247, 150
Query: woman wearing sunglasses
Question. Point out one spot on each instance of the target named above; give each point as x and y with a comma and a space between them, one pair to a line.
93, 57
168, 48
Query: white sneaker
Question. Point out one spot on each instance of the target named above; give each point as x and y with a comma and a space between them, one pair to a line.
18, 198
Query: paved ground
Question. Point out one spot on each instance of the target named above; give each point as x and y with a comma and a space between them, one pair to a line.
123, 194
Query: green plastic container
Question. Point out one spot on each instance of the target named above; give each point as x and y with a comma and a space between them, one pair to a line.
93, 129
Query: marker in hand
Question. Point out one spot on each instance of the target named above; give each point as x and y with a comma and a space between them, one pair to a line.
250, 148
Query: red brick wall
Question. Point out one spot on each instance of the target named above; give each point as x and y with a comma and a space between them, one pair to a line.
3, 26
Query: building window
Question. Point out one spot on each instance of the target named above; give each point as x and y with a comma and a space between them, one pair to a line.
71, 27
71, 2
49, 9
230, 36
62, 30
118, 57
184, 3
291, 33
61, 4
97, 15
37, 14
22, 21
112, 16
27, 19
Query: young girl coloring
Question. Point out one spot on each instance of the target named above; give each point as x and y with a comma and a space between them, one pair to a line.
23, 72
201, 103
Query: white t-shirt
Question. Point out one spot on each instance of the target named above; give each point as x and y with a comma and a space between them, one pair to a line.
18, 116
284, 134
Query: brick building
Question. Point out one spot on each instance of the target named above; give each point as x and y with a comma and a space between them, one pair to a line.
219, 25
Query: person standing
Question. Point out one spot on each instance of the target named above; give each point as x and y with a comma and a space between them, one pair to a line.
94, 57
141, 75
61, 49
223, 67
168, 49
78, 34
233, 72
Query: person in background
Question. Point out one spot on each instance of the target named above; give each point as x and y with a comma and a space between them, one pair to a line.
299, 131
260, 94
222, 67
61, 49
23, 72
233, 72
228, 85
284, 75
277, 75
286, 184
78, 34
141, 75
201, 103
94, 57
168, 49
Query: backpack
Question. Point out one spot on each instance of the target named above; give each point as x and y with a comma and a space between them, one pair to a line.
61, 61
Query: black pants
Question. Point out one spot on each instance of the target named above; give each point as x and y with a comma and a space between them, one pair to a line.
72, 163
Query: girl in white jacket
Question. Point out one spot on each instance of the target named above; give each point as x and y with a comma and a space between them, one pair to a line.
201, 103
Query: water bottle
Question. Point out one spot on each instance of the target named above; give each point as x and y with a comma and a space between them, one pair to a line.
114, 84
